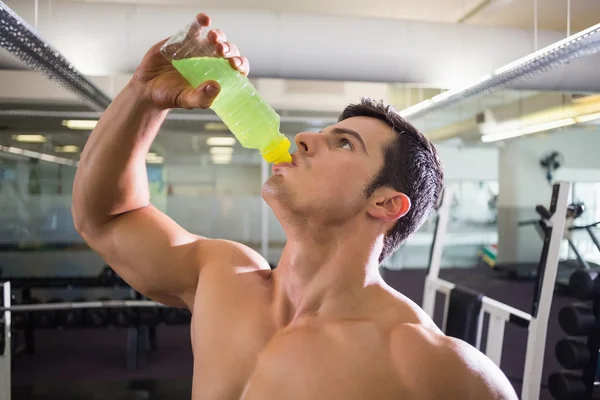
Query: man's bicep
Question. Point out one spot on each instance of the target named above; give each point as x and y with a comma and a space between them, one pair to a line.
152, 253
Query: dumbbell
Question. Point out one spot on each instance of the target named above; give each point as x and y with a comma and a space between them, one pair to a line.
97, 317
577, 319
73, 317
46, 319
148, 315
176, 316
123, 316
19, 320
107, 277
584, 284
173, 316
572, 354
566, 386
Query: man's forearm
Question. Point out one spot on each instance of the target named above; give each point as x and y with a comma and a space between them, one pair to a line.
111, 178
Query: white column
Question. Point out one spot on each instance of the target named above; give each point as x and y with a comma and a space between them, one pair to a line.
523, 185
264, 214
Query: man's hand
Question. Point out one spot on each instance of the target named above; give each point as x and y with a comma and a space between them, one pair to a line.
158, 81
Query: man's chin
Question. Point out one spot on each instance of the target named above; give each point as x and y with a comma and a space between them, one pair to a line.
275, 193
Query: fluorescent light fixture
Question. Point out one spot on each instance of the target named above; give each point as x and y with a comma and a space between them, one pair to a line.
220, 141
80, 124
66, 149
30, 138
221, 158
221, 150
588, 117
546, 126
417, 108
581, 44
215, 126
153, 158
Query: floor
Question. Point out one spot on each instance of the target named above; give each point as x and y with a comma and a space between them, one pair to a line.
90, 364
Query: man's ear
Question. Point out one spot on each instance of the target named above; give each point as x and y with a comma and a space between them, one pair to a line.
389, 205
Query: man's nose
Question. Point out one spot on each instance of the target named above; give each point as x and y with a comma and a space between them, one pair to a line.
307, 142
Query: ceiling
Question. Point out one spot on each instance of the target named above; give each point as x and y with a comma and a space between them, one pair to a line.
507, 13
79, 38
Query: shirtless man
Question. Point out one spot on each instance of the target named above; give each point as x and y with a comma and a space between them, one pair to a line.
323, 324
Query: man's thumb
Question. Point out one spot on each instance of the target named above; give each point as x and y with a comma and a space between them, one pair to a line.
201, 97
207, 93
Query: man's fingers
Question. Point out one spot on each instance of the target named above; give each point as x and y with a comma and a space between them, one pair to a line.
203, 19
202, 97
227, 50
241, 64
216, 36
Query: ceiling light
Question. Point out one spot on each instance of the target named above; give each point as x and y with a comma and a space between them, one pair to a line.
548, 125
588, 117
221, 158
221, 150
215, 126
80, 124
153, 158
221, 141
66, 149
508, 134
581, 44
30, 138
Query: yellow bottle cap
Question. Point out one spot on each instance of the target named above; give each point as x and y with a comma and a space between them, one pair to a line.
280, 153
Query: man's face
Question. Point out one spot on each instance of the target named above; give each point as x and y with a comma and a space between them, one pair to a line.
331, 170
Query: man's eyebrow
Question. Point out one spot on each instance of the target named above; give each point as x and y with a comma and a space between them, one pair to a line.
353, 133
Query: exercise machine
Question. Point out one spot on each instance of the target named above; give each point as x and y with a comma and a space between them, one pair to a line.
565, 267
136, 315
464, 308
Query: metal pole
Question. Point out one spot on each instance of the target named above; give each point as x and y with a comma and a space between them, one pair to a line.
593, 236
264, 213
536, 339
83, 304
5, 357
582, 262
437, 249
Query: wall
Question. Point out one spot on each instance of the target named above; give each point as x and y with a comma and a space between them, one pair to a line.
469, 163
523, 184
220, 202
204, 180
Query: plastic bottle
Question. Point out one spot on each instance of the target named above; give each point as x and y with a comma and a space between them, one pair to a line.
239, 105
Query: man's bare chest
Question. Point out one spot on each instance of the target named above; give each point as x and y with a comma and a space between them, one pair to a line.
239, 359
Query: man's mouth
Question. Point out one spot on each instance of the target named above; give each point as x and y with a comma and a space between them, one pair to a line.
277, 167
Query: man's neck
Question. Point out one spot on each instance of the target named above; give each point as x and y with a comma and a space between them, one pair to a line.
326, 275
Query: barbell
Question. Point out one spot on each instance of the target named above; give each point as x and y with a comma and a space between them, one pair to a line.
83, 304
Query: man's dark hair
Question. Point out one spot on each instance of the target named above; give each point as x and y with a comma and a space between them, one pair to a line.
411, 165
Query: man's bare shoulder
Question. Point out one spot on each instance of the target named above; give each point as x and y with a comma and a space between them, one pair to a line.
225, 253
445, 367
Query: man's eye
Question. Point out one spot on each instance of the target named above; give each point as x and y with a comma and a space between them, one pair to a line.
347, 143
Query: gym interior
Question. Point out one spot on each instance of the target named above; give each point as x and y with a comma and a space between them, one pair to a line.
508, 92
